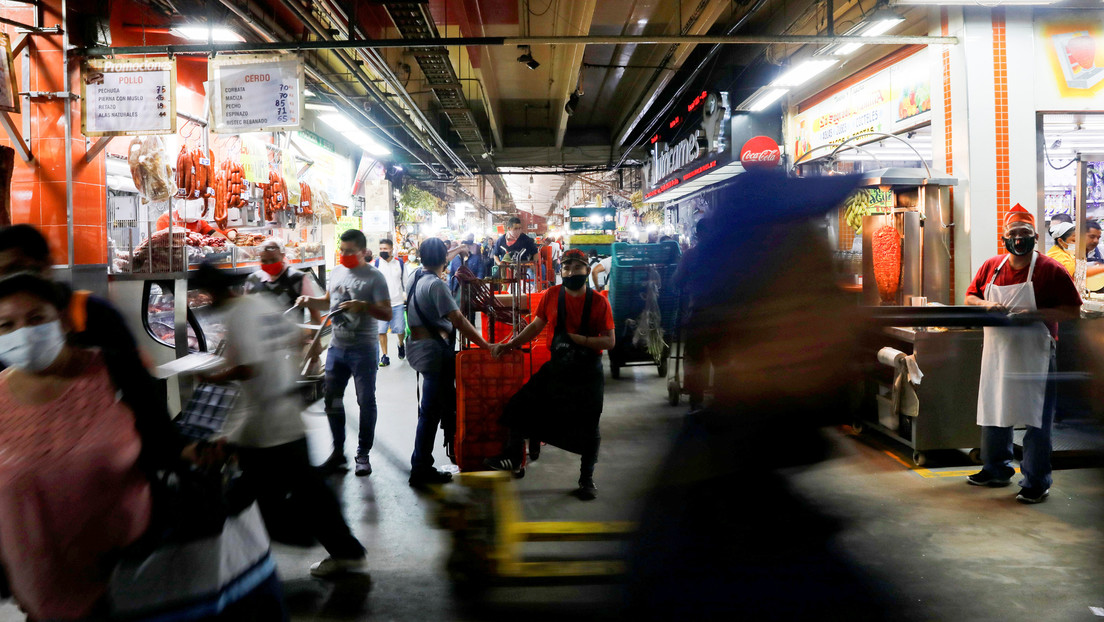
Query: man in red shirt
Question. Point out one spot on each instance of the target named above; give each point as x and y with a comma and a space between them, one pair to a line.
189, 218
562, 402
1017, 385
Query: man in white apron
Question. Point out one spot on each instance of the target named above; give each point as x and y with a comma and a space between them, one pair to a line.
1017, 365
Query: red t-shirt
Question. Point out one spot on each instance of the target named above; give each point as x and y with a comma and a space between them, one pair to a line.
199, 226
601, 315
1052, 283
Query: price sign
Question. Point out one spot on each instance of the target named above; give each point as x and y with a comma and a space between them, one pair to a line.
256, 93
122, 97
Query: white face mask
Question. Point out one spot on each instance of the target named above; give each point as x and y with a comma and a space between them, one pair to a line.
191, 210
32, 348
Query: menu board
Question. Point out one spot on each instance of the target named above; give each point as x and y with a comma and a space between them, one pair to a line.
126, 97
9, 93
256, 93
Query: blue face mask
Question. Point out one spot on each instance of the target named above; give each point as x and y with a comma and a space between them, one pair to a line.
32, 348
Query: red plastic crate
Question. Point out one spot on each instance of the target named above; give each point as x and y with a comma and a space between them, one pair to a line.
483, 386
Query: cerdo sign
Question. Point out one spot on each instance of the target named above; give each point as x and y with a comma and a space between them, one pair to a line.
760, 152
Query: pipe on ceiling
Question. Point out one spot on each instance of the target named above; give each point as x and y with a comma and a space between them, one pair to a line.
299, 46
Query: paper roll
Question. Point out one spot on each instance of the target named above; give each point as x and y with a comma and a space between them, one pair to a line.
890, 356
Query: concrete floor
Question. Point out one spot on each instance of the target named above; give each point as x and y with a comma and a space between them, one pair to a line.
942, 549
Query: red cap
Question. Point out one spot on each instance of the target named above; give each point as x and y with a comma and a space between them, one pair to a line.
1019, 214
574, 255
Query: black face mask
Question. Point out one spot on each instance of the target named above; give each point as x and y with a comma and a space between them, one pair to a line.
384, 255
575, 281
1019, 246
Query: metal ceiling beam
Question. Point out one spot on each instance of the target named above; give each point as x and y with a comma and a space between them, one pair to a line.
300, 46
579, 18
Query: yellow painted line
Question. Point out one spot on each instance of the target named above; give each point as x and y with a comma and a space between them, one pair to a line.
955, 473
921, 471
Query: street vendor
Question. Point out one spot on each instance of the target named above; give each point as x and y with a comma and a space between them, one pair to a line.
1018, 363
189, 217
562, 402
514, 246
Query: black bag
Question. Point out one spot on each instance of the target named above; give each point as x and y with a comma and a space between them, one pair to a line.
567, 354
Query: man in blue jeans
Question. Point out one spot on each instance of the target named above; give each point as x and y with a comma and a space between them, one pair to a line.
357, 297
1017, 362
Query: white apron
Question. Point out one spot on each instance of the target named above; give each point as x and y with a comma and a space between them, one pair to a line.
1014, 360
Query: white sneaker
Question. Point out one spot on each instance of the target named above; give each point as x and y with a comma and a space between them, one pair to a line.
330, 567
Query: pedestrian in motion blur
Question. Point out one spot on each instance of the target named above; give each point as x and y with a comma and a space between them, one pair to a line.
265, 426
1018, 362
357, 298
434, 318
75, 463
562, 403
394, 270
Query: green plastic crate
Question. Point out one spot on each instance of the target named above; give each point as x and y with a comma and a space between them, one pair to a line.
629, 275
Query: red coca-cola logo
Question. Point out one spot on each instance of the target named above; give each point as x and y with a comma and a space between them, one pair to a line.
760, 152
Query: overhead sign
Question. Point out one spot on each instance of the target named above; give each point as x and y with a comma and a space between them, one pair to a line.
121, 97
760, 152
593, 219
687, 142
256, 93
1069, 60
894, 99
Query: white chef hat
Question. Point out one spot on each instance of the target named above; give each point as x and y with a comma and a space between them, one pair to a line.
1058, 230
274, 240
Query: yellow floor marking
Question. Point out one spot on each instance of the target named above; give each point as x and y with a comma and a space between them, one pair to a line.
921, 471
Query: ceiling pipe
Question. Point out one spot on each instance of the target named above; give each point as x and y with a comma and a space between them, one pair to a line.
276, 33
320, 31
300, 46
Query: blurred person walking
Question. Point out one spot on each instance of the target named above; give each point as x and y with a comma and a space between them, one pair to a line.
265, 426
394, 270
357, 297
434, 319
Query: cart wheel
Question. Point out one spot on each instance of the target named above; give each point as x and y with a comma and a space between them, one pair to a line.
920, 458
975, 455
520, 473
663, 367
673, 396
857, 426
615, 370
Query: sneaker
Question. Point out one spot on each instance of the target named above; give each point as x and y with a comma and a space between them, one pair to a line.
384, 362
502, 463
336, 462
1033, 494
586, 491
985, 478
331, 567
363, 466
431, 477
402, 351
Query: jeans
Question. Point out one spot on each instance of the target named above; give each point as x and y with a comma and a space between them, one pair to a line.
438, 401
996, 443
360, 363
284, 473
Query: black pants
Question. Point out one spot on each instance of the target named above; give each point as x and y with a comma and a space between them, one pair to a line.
289, 488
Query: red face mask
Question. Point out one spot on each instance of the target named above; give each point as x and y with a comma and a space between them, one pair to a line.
350, 261
273, 269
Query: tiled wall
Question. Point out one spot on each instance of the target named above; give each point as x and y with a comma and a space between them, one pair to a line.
38, 187
1000, 114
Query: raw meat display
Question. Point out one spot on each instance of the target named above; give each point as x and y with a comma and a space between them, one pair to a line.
304, 200
150, 168
155, 253
886, 246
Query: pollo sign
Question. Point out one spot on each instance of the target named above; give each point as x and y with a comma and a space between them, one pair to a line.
760, 152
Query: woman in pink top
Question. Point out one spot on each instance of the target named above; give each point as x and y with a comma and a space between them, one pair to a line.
71, 492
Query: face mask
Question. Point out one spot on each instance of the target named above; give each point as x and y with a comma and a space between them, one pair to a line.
350, 261
191, 211
384, 255
32, 348
575, 281
1019, 246
273, 269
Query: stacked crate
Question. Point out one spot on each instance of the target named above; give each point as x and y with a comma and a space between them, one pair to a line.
483, 386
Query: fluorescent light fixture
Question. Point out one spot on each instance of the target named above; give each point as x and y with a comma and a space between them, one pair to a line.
320, 107
804, 72
879, 24
498, 213
641, 22
989, 3
352, 131
199, 33
762, 98
309, 93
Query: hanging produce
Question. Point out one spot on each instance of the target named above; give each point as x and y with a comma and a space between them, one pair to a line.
886, 247
150, 168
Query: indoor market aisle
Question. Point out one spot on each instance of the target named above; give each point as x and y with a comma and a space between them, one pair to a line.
945, 550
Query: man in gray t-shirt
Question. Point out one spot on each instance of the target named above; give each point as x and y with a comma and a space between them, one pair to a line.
357, 297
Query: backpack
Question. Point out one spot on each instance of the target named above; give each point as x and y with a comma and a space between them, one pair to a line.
402, 268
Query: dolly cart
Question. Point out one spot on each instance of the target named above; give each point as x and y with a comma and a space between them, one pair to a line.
488, 535
641, 288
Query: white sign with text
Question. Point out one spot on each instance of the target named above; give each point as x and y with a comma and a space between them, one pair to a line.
257, 94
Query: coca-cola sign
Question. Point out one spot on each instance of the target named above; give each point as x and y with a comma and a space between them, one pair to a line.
760, 152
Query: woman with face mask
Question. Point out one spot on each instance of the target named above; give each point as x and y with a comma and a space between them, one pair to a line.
74, 489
